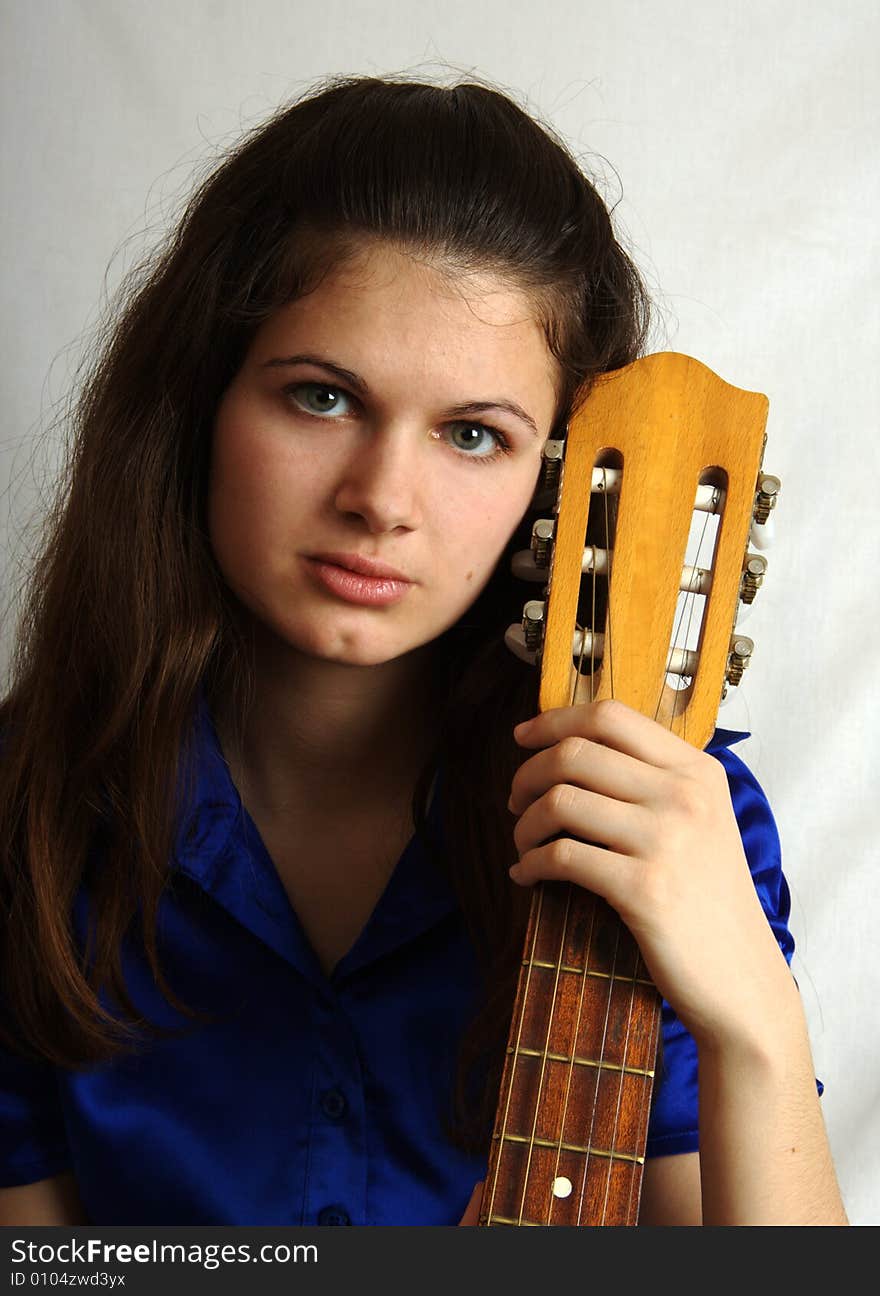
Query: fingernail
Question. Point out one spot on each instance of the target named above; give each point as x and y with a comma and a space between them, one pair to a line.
521, 728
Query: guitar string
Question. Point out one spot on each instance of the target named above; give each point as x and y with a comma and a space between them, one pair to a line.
691, 600
600, 1066
574, 1038
516, 1054
642, 1133
589, 942
514, 1060
545, 1053
607, 659
545, 1056
689, 603
645, 1109
691, 595
589, 946
623, 1063
588, 950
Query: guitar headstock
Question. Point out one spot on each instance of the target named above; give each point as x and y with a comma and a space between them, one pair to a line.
662, 457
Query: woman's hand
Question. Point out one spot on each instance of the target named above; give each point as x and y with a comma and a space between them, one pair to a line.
648, 824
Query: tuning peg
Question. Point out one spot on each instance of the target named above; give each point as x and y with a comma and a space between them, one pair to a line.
753, 571
551, 468
762, 531
767, 495
533, 624
542, 538
741, 649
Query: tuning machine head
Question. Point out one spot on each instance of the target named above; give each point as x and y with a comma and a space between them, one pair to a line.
741, 649
546, 490
753, 572
767, 491
533, 624
542, 539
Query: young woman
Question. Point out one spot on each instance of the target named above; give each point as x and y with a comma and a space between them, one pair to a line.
261, 787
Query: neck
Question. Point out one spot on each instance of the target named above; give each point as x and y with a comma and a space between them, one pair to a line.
317, 726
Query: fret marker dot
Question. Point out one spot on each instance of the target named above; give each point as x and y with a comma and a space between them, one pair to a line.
561, 1186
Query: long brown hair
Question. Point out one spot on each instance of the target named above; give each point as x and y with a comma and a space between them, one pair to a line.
125, 615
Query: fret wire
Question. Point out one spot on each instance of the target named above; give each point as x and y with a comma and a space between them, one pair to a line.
512, 1078
611, 1154
590, 972
581, 1061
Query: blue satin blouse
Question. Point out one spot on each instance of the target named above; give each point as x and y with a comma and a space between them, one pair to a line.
314, 1100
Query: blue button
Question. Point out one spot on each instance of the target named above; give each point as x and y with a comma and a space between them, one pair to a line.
334, 1104
334, 1215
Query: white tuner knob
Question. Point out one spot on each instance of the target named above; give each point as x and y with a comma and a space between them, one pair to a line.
515, 639
523, 565
762, 534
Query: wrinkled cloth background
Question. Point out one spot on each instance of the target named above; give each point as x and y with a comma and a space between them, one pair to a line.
740, 146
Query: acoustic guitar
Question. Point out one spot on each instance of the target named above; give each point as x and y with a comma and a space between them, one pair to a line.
662, 457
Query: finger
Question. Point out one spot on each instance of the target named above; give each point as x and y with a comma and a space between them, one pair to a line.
587, 764
587, 815
612, 723
606, 873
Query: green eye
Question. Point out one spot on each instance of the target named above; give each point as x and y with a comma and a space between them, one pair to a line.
480, 442
327, 397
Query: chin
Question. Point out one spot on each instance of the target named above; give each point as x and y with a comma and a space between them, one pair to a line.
354, 651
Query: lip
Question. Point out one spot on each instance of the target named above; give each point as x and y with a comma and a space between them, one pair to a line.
364, 589
363, 566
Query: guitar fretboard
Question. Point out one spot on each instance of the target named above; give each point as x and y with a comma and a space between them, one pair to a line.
576, 1088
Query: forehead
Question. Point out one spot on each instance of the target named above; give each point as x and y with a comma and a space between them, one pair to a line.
381, 303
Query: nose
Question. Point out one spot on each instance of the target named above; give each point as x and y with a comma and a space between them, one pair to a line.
380, 482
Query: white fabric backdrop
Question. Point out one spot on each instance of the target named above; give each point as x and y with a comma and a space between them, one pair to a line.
741, 141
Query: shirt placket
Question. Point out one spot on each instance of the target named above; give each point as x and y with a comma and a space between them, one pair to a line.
336, 1178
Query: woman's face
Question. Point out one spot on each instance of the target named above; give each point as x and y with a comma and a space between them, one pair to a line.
312, 468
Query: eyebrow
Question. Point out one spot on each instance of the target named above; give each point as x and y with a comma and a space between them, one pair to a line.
465, 410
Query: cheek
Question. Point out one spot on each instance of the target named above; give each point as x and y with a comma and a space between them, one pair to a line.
481, 529
255, 487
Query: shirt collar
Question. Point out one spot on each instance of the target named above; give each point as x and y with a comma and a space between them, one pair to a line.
219, 848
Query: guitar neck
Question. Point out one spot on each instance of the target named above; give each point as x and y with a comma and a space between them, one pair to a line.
658, 447
572, 1120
